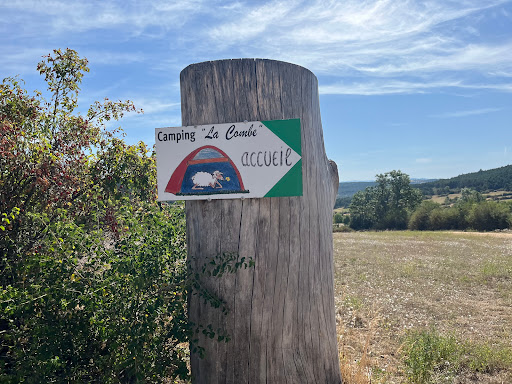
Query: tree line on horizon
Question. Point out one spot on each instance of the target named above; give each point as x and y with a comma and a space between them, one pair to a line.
393, 203
481, 181
497, 179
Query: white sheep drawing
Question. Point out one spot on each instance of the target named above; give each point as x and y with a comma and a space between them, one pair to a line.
204, 179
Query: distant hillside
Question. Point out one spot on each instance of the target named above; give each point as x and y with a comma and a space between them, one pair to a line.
349, 188
421, 181
482, 181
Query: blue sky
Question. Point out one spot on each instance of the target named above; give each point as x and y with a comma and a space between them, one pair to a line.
420, 86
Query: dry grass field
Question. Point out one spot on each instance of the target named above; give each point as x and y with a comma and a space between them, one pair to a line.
440, 199
497, 195
424, 307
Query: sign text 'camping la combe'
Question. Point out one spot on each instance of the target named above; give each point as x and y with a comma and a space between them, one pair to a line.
250, 159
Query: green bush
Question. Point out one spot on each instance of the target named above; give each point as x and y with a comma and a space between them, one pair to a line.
488, 216
420, 219
447, 218
93, 278
92, 309
341, 228
487, 358
427, 352
338, 218
428, 355
481, 216
393, 219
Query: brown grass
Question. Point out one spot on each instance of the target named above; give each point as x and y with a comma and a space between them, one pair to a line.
389, 283
355, 364
496, 195
441, 198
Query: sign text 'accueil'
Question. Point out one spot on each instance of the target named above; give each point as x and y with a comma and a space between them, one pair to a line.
228, 161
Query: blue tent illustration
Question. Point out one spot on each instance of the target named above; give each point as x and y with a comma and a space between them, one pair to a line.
206, 171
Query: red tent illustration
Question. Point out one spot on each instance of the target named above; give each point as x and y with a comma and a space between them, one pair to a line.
205, 159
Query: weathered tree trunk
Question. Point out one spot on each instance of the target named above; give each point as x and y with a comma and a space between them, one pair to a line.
282, 318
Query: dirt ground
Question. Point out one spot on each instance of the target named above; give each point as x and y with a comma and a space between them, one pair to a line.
389, 283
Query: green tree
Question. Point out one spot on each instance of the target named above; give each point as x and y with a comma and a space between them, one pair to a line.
397, 199
387, 205
469, 195
363, 211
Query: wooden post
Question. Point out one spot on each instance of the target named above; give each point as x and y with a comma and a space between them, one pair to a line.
282, 316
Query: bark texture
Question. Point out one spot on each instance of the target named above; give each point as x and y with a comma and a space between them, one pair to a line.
282, 316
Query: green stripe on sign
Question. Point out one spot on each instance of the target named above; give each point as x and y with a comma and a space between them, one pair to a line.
288, 131
290, 184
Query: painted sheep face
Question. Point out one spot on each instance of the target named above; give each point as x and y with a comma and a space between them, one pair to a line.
218, 175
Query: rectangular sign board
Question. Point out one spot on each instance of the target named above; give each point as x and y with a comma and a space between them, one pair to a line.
251, 159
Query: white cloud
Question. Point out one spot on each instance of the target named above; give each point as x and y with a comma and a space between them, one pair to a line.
472, 112
256, 22
154, 106
74, 16
327, 21
381, 86
113, 58
424, 160
20, 61
375, 46
368, 40
384, 87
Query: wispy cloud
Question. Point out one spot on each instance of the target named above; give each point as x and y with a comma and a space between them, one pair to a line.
376, 46
154, 106
471, 112
71, 16
423, 160
20, 61
372, 40
113, 58
384, 87
380, 86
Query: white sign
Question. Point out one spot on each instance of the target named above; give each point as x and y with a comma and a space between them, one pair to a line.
229, 161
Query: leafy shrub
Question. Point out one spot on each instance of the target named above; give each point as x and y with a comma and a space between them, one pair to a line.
93, 284
341, 228
393, 219
481, 216
420, 219
428, 355
338, 218
488, 216
447, 218
93, 309
487, 358
427, 352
